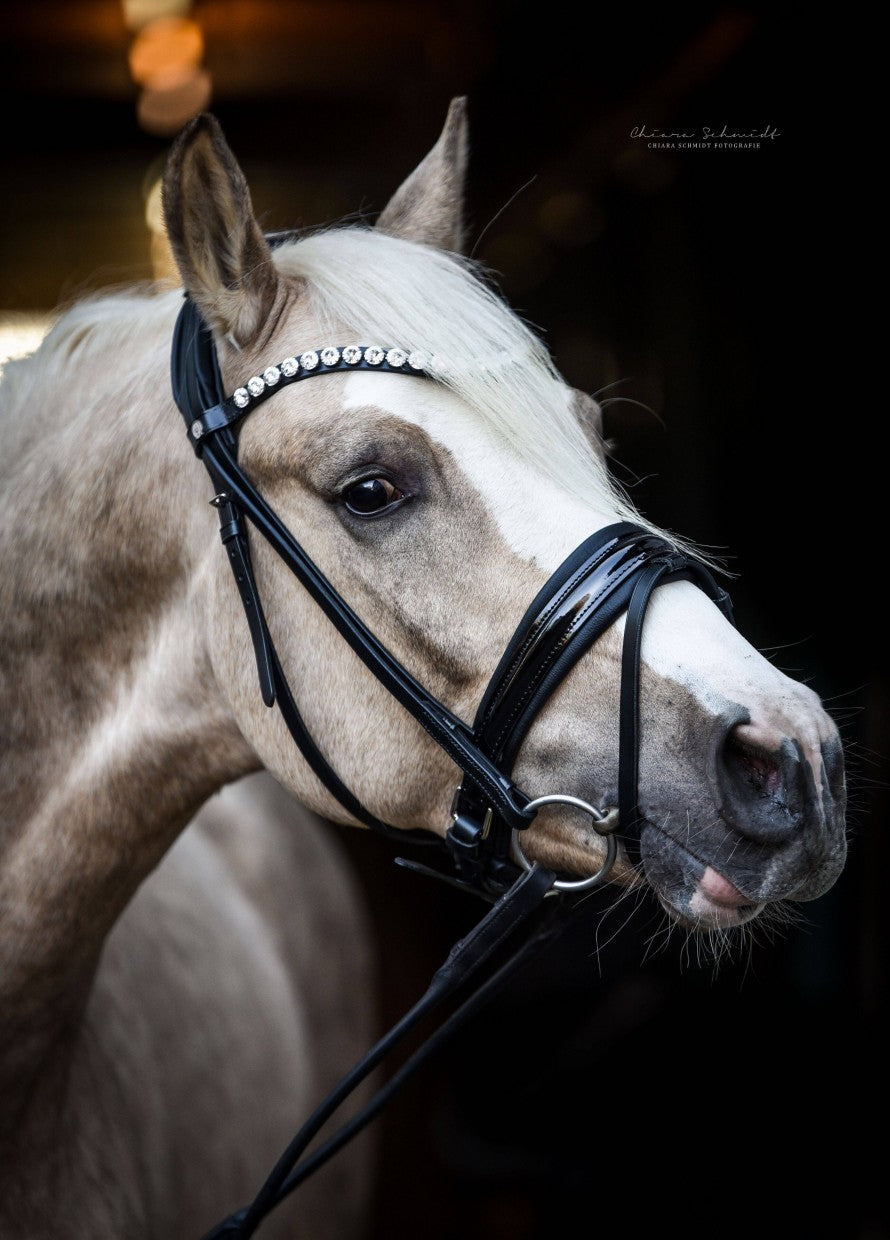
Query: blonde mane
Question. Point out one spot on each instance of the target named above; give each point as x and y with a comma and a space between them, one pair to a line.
130, 322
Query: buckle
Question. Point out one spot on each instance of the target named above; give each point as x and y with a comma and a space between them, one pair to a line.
465, 838
466, 833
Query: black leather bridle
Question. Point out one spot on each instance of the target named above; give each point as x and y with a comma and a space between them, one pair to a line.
613, 572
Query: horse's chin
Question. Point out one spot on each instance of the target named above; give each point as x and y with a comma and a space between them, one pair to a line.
704, 915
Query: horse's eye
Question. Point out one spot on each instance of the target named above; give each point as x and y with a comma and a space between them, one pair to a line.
371, 496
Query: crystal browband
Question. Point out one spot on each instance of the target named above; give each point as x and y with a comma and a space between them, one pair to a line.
328, 360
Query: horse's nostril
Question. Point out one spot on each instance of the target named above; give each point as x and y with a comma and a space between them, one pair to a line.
763, 779
758, 767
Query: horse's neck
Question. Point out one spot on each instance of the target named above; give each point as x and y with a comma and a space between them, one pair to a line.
113, 733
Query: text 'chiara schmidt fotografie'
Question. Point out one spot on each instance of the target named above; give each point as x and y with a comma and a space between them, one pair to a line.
705, 138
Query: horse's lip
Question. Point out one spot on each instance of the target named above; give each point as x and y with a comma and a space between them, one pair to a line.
718, 890
736, 902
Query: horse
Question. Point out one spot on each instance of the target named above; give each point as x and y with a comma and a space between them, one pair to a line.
186, 960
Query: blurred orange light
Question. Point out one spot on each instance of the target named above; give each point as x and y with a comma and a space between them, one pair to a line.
138, 13
166, 52
163, 110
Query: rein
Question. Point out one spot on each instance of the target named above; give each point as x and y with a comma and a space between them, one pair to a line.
613, 572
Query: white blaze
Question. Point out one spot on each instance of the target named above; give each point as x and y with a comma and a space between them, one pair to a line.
537, 520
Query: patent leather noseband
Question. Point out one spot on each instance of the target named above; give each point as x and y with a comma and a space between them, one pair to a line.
612, 573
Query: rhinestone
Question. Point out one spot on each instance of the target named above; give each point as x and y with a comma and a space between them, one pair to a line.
330, 356
271, 376
289, 367
241, 397
309, 360
396, 358
373, 355
255, 385
417, 361
197, 430
352, 354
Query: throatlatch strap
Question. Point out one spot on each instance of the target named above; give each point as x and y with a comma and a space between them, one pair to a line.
234, 539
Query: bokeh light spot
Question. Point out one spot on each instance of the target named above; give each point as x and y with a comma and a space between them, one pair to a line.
163, 110
138, 13
166, 52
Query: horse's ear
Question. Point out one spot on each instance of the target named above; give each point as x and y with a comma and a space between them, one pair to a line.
589, 413
222, 255
429, 205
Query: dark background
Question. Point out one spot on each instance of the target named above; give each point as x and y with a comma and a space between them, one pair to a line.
625, 1083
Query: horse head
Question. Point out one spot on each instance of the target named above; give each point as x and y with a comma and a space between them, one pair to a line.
439, 510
